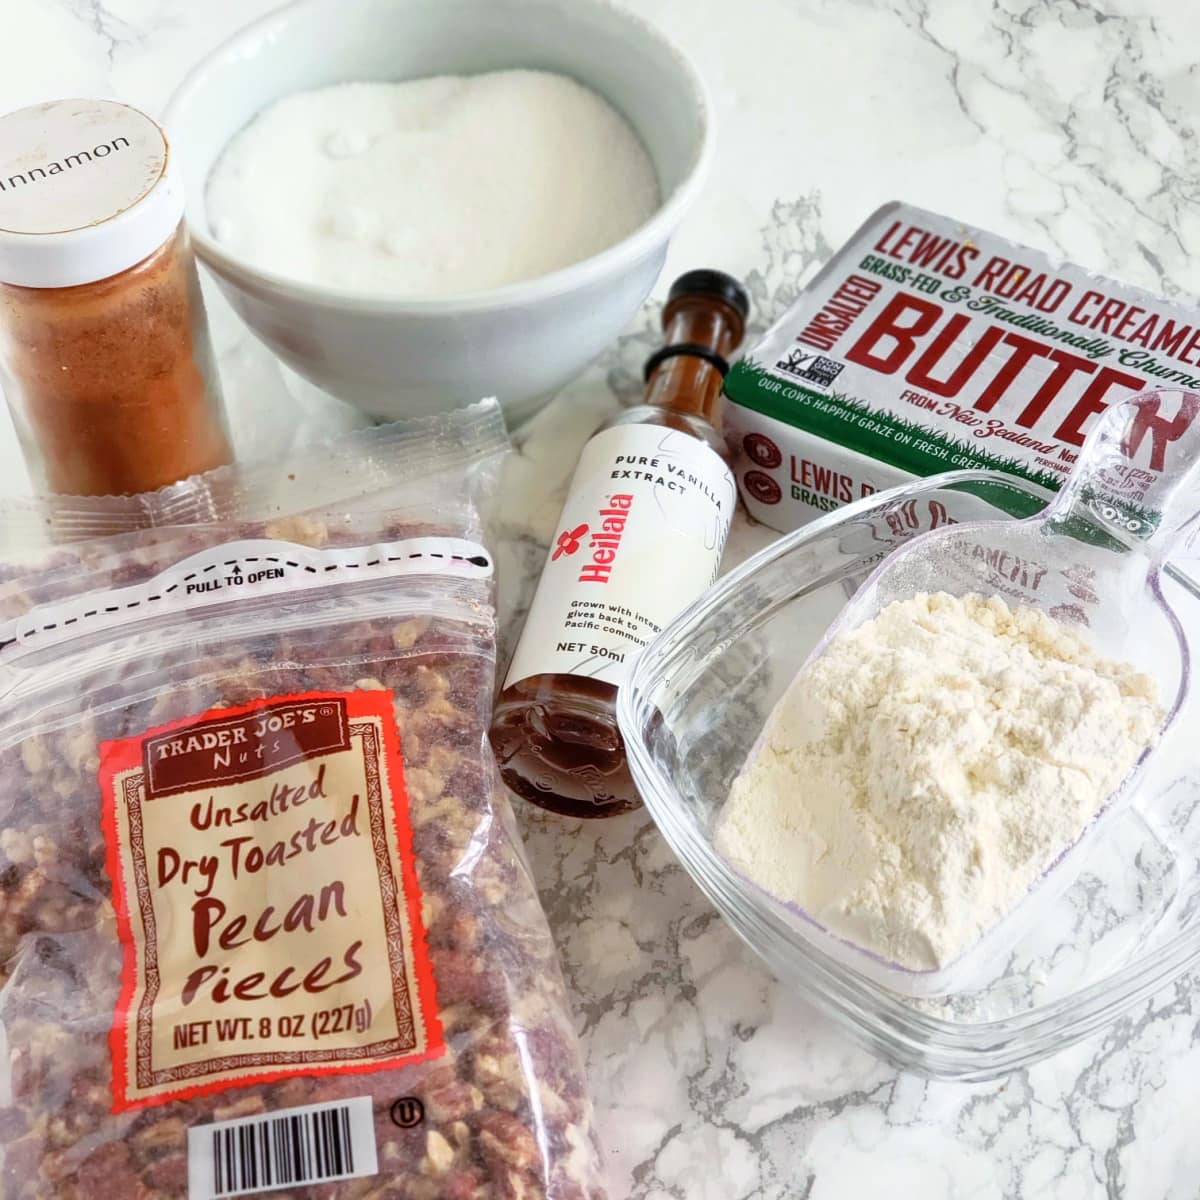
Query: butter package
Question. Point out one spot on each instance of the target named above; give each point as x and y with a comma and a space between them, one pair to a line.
925, 345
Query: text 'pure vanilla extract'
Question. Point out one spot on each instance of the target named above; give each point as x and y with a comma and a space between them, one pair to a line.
640, 537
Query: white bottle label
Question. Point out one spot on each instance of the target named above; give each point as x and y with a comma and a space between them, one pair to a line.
639, 539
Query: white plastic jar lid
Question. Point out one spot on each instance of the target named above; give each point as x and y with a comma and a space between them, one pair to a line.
86, 191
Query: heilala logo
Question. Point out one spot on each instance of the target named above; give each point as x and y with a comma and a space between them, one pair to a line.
568, 541
605, 538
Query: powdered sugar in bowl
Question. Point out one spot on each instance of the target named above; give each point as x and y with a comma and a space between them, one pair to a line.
1126, 925
520, 341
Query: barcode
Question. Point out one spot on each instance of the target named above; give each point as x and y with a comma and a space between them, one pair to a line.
315, 1143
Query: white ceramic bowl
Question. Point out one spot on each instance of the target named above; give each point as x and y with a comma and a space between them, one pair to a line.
520, 342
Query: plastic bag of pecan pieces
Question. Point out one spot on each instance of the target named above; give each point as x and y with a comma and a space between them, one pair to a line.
265, 923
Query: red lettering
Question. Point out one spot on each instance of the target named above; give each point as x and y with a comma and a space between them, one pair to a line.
199, 976
312, 981
860, 288
1148, 419
1029, 293
821, 479
840, 312
958, 268
1056, 293
910, 235
206, 914
881, 245
1185, 355
263, 930
1076, 314
928, 248
813, 335
279, 987
314, 977
244, 988
228, 938
1065, 366
1109, 311
1023, 350
920, 375
1141, 335
891, 323
1011, 280
1092, 401
249, 986
1170, 339
994, 269
1131, 314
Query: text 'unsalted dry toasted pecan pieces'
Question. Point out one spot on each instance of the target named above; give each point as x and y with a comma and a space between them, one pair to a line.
265, 924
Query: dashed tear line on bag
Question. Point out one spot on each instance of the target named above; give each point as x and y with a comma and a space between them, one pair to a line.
248, 567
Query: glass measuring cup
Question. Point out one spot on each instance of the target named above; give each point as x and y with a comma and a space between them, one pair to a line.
1092, 559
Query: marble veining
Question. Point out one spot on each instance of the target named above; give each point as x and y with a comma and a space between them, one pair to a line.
1068, 124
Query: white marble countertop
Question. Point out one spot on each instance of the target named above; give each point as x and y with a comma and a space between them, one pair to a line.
1062, 123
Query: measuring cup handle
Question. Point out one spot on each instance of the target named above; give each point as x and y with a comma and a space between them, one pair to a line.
1138, 474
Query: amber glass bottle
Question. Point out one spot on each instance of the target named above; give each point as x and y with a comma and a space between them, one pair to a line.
640, 537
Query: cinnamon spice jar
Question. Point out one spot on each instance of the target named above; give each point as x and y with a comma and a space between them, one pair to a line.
105, 357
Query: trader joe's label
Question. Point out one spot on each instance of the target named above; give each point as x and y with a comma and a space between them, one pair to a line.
925, 346
266, 897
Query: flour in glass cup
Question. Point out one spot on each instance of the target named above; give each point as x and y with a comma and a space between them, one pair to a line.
432, 187
918, 777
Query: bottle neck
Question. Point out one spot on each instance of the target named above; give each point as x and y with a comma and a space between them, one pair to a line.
687, 383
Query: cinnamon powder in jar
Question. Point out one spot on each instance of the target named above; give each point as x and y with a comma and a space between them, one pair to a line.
112, 382
104, 349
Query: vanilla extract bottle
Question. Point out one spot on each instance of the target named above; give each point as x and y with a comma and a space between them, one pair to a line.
640, 537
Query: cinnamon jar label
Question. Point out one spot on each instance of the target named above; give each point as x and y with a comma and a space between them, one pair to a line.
74, 164
641, 536
266, 898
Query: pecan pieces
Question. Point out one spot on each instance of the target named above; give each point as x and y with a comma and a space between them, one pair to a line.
506, 1114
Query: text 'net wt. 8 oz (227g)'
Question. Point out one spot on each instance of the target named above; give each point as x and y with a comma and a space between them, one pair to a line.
265, 923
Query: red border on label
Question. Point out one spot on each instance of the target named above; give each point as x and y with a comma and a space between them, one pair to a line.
119, 755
